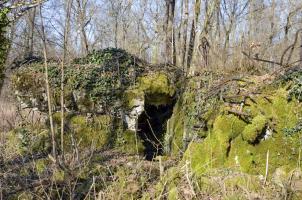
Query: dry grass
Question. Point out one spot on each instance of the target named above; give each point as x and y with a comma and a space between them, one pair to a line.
11, 117
8, 115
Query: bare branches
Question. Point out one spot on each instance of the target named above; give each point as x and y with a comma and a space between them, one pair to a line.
260, 59
20, 8
289, 50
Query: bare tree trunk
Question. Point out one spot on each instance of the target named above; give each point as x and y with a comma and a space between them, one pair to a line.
166, 29
170, 32
83, 24
272, 35
53, 140
85, 41
115, 31
301, 51
191, 45
179, 39
218, 30
65, 51
272, 19
172, 27
185, 34
30, 37
193, 33
204, 43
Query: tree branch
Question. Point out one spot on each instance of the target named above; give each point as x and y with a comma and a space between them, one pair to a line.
261, 60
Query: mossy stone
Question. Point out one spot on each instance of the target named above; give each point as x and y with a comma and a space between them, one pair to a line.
214, 150
91, 134
252, 131
156, 89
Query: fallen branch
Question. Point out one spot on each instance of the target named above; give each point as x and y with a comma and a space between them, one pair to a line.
238, 113
261, 60
291, 48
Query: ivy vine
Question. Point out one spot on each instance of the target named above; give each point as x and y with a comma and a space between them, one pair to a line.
3, 41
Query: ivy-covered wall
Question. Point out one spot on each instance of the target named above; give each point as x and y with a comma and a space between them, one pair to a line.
3, 41
93, 84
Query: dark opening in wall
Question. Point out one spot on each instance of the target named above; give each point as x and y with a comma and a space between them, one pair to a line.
152, 125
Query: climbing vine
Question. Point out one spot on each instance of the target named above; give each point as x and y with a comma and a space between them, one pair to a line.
296, 89
100, 78
294, 77
3, 41
115, 68
291, 131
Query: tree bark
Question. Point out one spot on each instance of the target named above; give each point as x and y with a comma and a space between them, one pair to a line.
185, 34
166, 29
170, 32
30, 38
301, 50
193, 33
173, 31
83, 24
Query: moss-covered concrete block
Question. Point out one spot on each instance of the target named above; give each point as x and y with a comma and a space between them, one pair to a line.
244, 143
95, 133
254, 130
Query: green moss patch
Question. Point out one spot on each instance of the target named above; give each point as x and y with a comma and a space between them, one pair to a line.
254, 130
216, 147
246, 144
131, 143
91, 134
155, 89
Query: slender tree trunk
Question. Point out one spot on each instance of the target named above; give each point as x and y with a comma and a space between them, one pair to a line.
116, 32
272, 19
191, 45
218, 30
83, 24
170, 32
185, 34
30, 37
85, 41
65, 51
172, 27
204, 43
272, 35
193, 33
53, 140
125, 36
301, 50
179, 39
166, 29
